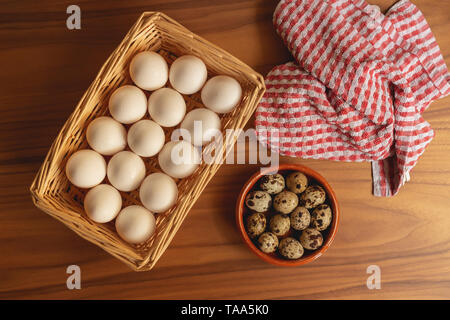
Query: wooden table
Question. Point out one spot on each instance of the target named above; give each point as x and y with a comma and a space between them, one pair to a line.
45, 70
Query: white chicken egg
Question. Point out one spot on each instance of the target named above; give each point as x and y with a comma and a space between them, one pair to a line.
179, 159
201, 125
158, 192
102, 203
126, 170
135, 224
221, 94
128, 104
146, 138
149, 70
166, 107
86, 168
188, 74
106, 136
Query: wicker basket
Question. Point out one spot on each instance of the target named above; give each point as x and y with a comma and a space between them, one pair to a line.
52, 192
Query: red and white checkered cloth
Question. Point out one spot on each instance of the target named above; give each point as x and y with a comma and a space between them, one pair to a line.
362, 81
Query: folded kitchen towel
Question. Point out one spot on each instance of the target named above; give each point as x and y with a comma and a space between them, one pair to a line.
358, 87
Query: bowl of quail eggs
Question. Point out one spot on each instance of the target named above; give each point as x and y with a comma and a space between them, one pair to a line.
287, 215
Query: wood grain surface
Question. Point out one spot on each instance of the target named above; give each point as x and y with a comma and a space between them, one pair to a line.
45, 68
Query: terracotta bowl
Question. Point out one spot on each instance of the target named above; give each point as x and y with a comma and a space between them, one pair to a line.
328, 234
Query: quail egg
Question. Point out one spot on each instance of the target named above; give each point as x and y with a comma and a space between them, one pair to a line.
258, 201
285, 202
256, 224
272, 183
268, 242
290, 248
296, 182
300, 218
280, 224
321, 217
313, 196
311, 239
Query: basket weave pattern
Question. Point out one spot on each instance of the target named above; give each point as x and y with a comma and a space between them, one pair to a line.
52, 192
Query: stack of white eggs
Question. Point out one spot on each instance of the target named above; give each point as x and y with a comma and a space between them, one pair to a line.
126, 170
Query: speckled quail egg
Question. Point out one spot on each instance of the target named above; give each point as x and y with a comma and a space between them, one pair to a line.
259, 201
268, 242
280, 224
311, 239
321, 217
296, 182
272, 183
313, 196
290, 248
300, 218
285, 202
256, 224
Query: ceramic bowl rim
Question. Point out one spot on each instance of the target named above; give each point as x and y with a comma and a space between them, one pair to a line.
269, 258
